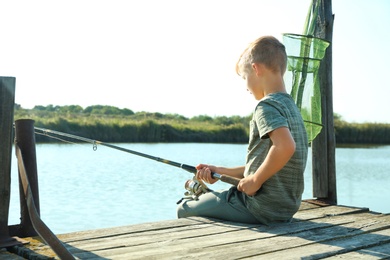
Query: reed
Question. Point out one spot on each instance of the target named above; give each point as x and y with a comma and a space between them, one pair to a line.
112, 124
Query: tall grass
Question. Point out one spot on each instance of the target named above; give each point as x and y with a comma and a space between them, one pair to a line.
110, 124
365, 133
137, 127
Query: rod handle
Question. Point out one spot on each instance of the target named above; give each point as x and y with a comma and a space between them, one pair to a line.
225, 178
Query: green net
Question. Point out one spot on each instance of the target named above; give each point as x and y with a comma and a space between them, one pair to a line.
304, 55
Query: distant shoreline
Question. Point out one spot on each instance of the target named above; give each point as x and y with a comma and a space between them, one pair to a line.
111, 124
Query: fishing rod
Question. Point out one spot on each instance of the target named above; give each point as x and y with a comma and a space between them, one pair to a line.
189, 185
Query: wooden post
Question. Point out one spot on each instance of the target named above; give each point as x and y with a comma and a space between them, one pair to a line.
25, 139
324, 146
7, 102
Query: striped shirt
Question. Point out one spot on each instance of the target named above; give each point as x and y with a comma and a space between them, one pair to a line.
280, 196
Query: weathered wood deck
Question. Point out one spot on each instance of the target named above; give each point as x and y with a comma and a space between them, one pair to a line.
318, 231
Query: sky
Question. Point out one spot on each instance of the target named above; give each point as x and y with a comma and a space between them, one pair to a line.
179, 56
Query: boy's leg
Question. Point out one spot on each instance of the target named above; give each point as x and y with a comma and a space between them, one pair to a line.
226, 205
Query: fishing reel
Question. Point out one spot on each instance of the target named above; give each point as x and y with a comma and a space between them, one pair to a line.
194, 188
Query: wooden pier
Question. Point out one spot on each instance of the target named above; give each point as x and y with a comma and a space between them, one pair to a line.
318, 231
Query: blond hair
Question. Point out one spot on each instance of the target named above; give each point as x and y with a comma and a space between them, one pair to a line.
266, 50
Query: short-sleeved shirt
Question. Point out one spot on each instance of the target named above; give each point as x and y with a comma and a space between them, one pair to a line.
280, 196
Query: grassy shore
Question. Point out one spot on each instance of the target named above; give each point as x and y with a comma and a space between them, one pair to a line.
111, 124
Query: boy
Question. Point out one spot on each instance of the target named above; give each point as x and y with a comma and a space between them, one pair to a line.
271, 182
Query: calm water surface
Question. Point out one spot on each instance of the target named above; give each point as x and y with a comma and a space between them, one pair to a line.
84, 189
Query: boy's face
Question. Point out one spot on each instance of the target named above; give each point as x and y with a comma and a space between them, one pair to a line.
251, 80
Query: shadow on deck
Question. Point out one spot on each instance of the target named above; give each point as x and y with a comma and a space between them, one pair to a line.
318, 231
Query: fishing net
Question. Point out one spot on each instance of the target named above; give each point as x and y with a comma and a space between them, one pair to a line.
304, 55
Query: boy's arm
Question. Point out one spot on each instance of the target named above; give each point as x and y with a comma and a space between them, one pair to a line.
282, 149
204, 172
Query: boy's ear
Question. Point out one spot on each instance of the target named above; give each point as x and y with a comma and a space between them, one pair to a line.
257, 68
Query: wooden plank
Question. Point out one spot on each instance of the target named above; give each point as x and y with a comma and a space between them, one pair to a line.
312, 204
336, 247
207, 230
337, 236
369, 253
145, 227
193, 231
168, 224
327, 211
150, 226
136, 232
226, 245
241, 243
189, 237
151, 237
284, 246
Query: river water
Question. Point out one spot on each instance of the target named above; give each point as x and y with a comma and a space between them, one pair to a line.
82, 189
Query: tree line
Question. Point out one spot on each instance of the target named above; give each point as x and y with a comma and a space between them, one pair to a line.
112, 124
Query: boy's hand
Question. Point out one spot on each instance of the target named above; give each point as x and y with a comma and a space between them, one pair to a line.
248, 185
204, 173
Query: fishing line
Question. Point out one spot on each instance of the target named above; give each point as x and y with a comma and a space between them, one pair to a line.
55, 137
53, 134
